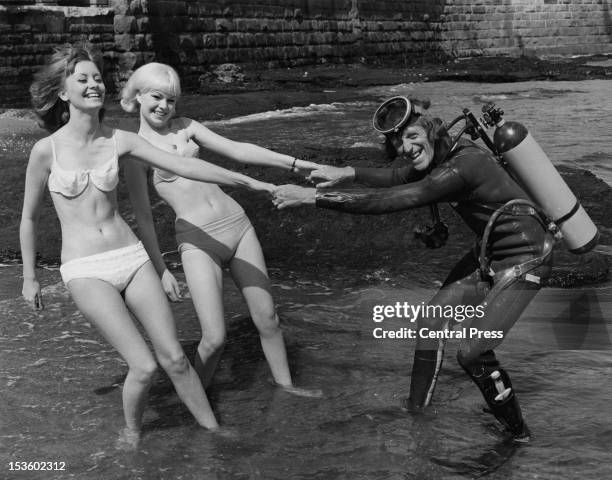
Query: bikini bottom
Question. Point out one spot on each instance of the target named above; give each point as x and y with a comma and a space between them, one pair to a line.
116, 267
219, 238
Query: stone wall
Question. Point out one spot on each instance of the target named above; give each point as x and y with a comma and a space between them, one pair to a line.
28, 34
197, 35
526, 27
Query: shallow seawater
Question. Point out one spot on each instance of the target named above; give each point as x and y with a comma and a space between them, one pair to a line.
61, 382
62, 395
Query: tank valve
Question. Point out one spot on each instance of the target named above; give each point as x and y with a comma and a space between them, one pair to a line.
491, 116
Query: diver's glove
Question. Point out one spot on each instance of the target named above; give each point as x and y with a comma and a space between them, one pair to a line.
432, 236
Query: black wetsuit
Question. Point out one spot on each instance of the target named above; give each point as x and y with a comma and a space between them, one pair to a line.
475, 185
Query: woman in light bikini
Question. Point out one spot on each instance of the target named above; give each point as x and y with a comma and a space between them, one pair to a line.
212, 230
104, 266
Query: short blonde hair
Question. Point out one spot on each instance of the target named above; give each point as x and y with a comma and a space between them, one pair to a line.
151, 76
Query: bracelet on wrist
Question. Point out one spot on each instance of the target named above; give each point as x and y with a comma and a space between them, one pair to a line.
293, 164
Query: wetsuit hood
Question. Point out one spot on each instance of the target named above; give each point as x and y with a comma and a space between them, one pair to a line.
443, 144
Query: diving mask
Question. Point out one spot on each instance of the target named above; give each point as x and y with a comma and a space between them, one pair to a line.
393, 114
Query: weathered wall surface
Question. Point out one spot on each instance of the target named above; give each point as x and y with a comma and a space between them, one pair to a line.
526, 27
197, 35
28, 34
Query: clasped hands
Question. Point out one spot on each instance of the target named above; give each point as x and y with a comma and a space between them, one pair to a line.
322, 176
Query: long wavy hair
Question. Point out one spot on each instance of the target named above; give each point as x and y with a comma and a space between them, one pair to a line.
151, 76
53, 113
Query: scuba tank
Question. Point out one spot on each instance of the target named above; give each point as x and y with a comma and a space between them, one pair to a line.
530, 167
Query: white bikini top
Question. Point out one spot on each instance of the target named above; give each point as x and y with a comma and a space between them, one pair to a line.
71, 183
190, 149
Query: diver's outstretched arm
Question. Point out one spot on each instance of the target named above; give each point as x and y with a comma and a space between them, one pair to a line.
327, 176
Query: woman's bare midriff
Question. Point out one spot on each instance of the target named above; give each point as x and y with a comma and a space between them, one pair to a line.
197, 202
91, 224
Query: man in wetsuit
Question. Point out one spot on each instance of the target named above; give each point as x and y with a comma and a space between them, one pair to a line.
501, 275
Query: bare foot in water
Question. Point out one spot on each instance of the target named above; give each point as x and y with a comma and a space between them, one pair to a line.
128, 440
227, 433
302, 392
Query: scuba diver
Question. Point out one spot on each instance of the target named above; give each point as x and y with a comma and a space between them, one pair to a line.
512, 254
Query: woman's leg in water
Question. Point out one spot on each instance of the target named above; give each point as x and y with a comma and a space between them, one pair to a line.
103, 306
204, 277
146, 299
249, 271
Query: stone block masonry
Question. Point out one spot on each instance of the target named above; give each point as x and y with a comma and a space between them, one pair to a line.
526, 27
196, 36
29, 33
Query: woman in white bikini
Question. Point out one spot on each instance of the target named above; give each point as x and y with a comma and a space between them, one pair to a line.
104, 266
212, 230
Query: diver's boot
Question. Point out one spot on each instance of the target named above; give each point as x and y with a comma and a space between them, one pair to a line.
425, 369
496, 388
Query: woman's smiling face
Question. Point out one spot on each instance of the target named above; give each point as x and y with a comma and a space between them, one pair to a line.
157, 107
84, 89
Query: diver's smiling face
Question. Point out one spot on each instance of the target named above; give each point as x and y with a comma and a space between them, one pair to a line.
157, 107
414, 147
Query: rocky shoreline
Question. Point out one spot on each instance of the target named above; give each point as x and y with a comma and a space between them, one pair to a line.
315, 241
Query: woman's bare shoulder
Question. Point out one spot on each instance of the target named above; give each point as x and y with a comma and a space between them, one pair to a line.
42, 152
182, 125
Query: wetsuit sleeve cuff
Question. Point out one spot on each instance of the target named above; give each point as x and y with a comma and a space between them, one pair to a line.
321, 200
331, 198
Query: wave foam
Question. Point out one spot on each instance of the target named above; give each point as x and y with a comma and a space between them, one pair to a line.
295, 112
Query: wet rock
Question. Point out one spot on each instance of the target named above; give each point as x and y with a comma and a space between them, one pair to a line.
229, 73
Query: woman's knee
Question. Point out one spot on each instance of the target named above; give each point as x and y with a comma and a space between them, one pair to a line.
174, 362
211, 342
144, 372
266, 321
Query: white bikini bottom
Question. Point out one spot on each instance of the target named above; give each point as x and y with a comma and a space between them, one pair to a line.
116, 267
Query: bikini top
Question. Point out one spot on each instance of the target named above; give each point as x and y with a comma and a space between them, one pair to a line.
190, 149
71, 183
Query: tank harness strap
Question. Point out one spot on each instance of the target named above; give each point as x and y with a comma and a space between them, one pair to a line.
500, 280
522, 270
495, 282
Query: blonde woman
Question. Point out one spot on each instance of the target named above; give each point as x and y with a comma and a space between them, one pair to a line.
212, 230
